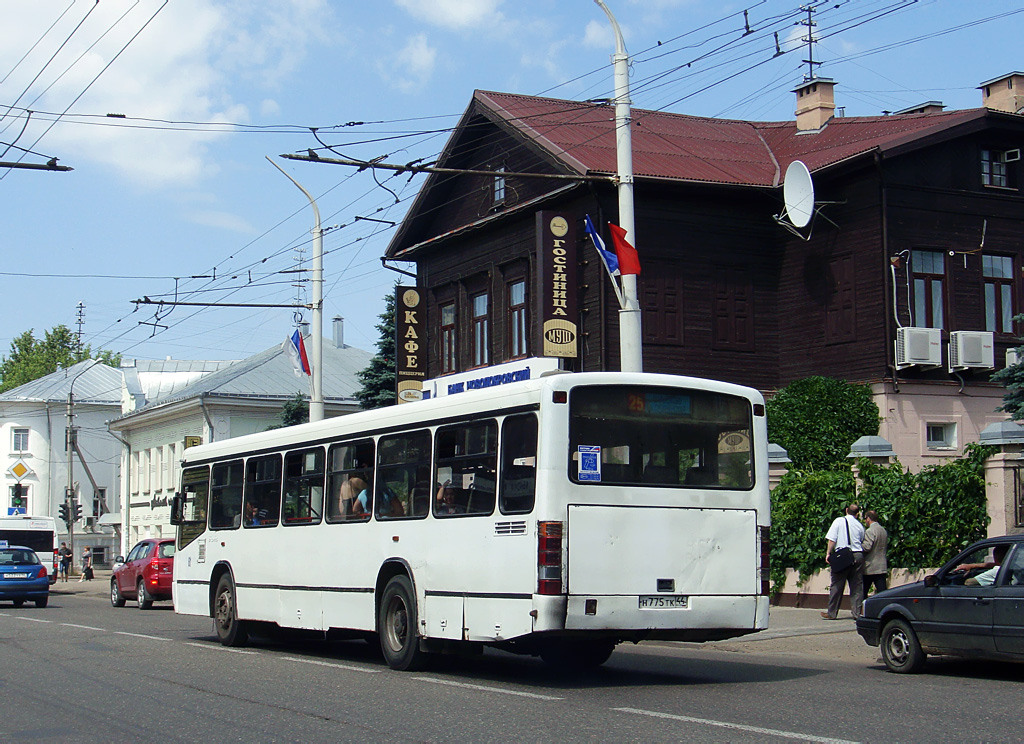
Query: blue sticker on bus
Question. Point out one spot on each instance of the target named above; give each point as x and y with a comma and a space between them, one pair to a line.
589, 462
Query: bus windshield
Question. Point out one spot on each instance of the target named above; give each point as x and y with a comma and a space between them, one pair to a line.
660, 436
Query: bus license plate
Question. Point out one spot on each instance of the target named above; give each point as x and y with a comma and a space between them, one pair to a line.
663, 602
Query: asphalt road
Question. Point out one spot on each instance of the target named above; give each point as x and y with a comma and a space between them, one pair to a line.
80, 670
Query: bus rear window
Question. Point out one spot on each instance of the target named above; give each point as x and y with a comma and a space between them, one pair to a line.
660, 436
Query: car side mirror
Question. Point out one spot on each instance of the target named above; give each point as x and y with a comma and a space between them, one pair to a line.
119, 559
930, 580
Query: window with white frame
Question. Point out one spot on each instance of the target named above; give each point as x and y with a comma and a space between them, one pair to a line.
144, 458
940, 435
517, 319
170, 467
499, 185
19, 440
481, 335
99, 502
929, 274
997, 272
994, 170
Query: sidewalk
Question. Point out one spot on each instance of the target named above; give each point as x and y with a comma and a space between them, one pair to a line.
100, 584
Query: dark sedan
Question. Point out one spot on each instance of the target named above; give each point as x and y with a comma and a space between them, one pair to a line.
972, 607
23, 576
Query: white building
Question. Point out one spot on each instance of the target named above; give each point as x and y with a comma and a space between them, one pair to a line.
242, 398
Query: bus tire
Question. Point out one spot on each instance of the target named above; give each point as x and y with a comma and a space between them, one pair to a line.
397, 626
230, 630
116, 598
145, 601
573, 654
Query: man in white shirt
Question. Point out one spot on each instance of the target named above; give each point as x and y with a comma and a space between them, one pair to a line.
846, 532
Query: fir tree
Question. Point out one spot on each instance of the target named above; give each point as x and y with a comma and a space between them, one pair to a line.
1013, 378
378, 379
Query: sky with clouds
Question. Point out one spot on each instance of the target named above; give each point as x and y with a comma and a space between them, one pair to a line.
168, 110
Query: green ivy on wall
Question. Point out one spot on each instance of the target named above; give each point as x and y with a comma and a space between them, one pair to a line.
929, 515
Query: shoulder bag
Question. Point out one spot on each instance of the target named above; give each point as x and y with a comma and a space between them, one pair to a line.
842, 558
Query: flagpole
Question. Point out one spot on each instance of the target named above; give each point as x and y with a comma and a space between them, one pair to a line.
630, 332
316, 395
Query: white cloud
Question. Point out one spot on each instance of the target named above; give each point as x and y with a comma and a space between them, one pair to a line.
269, 107
454, 14
413, 66
599, 35
189, 63
222, 220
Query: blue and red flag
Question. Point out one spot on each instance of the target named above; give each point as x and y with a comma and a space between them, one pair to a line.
296, 350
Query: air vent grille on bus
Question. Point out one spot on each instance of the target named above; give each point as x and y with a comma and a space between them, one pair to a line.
510, 528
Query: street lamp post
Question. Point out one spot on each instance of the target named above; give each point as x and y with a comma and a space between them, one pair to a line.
630, 337
316, 398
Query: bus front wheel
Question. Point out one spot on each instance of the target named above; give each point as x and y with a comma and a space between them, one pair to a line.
573, 654
230, 630
396, 626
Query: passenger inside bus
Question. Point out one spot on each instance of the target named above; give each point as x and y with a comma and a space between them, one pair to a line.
354, 498
446, 503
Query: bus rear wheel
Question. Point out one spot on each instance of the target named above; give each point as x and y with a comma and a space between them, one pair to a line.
397, 626
574, 654
230, 630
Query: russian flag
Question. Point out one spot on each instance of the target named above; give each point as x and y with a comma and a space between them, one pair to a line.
296, 351
629, 260
611, 263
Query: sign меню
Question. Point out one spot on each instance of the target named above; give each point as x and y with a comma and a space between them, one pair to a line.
410, 344
556, 295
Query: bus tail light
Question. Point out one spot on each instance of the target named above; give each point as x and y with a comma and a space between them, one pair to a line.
549, 558
766, 549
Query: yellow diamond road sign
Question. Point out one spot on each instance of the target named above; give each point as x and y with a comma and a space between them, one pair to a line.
20, 469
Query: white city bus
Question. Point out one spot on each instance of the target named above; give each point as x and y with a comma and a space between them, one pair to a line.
556, 516
37, 533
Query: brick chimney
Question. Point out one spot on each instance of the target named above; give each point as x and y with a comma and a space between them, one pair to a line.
1004, 93
815, 104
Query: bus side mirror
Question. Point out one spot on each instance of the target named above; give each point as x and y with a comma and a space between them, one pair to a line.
178, 509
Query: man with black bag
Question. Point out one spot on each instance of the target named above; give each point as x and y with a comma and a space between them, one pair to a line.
845, 557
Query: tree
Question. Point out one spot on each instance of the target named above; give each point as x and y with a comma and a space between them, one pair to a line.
817, 419
294, 411
31, 358
1012, 378
378, 379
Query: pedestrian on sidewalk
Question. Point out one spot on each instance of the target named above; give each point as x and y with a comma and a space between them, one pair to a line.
876, 544
65, 556
845, 532
86, 565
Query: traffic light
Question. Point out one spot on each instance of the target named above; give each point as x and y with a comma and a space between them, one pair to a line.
77, 510
64, 512
17, 497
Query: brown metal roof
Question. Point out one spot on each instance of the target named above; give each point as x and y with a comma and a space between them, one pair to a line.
690, 148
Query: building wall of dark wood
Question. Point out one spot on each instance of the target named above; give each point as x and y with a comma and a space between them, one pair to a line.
726, 292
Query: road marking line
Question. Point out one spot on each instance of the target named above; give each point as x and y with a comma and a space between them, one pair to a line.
31, 619
735, 726
484, 688
83, 627
335, 666
140, 635
212, 647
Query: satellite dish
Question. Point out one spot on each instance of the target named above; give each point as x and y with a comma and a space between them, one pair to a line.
798, 194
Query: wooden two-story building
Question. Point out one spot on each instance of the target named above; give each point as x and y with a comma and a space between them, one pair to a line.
919, 224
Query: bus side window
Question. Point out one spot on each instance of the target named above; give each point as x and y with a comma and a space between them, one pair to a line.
466, 469
403, 476
303, 486
226, 495
518, 464
350, 481
262, 491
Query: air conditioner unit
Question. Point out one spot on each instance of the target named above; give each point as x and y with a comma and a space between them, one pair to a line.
1014, 356
971, 350
921, 347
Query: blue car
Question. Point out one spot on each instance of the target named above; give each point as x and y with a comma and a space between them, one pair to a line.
23, 577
